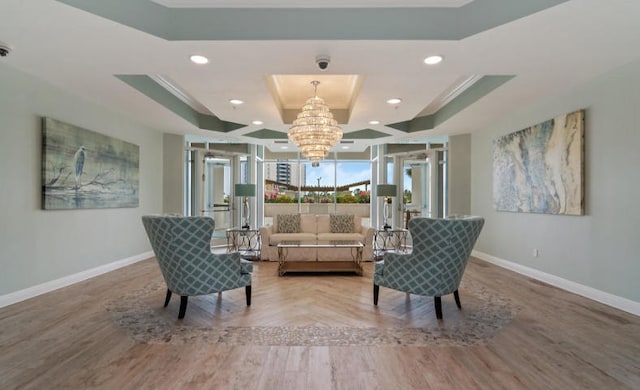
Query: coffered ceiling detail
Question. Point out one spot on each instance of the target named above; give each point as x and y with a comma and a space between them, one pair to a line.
132, 56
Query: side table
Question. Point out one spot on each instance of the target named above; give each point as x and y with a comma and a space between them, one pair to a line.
386, 240
245, 241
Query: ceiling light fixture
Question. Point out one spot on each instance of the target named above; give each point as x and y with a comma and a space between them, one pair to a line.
235, 101
394, 101
374, 122
315, 131
198, 59
432, 60
257, 122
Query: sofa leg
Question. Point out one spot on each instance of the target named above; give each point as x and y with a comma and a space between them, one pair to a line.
438, 303
457, 297
376, 292
168, 298
183, 306
247, 291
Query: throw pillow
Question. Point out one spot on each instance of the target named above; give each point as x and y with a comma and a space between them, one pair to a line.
289, 223
341, 223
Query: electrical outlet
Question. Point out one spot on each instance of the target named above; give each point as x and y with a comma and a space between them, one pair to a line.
535, 252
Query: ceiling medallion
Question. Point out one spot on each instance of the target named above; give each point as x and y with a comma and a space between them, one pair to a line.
315, 131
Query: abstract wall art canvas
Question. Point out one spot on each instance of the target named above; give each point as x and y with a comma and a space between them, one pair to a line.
540, 169
82, 169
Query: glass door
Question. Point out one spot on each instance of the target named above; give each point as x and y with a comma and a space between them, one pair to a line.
416, 188
216, 192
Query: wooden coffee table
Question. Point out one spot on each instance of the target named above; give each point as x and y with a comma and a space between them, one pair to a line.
348, 265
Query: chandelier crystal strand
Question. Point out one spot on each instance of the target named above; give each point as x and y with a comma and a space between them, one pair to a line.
315, 131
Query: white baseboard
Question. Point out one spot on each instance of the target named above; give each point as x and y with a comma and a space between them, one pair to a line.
618, 302
21, 295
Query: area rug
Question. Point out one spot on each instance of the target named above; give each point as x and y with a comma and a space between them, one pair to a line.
484, 317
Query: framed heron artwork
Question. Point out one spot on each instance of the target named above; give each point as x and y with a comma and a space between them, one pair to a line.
82, 169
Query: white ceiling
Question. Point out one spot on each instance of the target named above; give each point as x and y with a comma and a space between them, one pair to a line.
548, 52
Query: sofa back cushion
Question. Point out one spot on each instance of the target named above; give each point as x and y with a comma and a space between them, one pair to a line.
308, 223
357, 223
341, 223
322, 222
288, 223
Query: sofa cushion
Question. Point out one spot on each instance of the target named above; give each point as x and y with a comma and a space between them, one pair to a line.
277, 238
288, 223
322, 222
340, 237
341, 223
308, 223
357, 224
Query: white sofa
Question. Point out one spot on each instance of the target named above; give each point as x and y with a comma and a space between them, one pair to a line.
315, 227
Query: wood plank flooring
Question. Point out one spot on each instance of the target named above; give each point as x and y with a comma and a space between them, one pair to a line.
557, 340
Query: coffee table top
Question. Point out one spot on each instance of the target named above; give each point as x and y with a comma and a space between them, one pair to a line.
321, 244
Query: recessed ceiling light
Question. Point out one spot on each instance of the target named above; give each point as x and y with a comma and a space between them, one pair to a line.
236, 101
257, 122
198, 59
432, 60
374, 122
284, 147
394, 101
345, 147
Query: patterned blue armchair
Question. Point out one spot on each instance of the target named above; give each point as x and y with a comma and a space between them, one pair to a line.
182, 246
441, 249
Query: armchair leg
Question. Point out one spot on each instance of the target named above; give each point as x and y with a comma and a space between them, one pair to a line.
183, 306
168, 298
438, 303
457, 297
247, 291
376, 292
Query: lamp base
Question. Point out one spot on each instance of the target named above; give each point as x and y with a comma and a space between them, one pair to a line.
247, 212
246, 227
385, 209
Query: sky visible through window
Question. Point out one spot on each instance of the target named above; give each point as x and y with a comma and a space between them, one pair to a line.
347, 173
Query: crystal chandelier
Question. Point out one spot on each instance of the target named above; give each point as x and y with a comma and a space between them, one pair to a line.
315, 131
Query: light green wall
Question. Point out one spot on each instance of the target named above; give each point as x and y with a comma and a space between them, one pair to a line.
459, 165
37, 246
173, 173
601, 249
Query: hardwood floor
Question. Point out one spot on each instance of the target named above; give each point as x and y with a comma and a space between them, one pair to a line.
557, 340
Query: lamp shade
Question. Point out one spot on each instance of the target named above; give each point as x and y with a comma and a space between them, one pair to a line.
386, 190
245, 190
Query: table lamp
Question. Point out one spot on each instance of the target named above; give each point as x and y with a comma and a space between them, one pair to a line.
386, 191
244, 191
